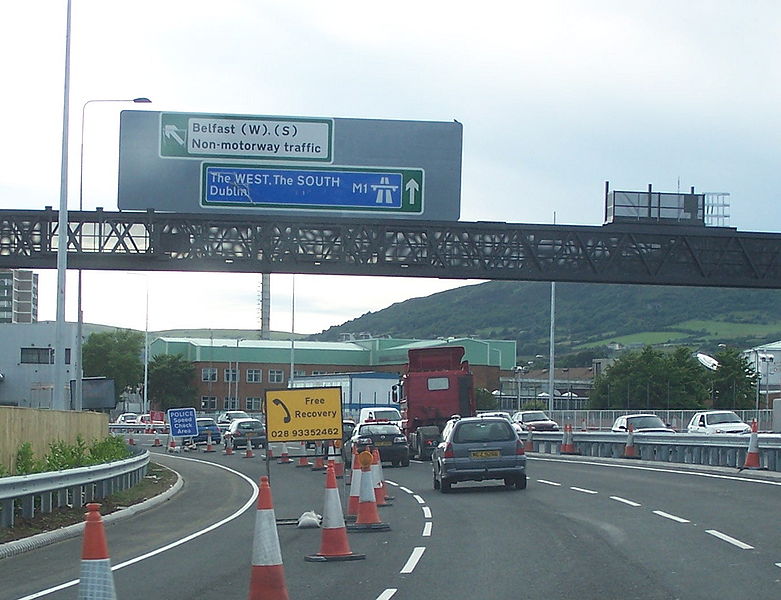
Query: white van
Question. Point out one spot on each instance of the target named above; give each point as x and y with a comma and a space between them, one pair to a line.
380, 413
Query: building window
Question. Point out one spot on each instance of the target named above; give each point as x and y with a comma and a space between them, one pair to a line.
254, 404
208, 402
297, 373
231, 375
231, 403
37, 356
276, 376
254, 375
209, 374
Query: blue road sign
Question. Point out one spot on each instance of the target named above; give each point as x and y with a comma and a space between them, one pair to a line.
339, 188
182, 422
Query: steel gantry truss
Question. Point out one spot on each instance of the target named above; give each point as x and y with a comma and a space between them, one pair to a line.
616, 253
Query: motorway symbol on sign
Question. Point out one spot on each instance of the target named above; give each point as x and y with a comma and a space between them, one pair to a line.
182, 422
343, 188
184, 135
304, 414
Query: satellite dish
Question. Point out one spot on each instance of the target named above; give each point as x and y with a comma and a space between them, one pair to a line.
707, 361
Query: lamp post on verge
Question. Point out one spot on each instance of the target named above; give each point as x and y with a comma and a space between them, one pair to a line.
79, 371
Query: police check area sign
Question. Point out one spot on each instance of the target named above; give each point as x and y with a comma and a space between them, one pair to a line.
304, 414
182, 422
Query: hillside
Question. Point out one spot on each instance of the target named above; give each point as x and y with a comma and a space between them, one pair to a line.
587, 316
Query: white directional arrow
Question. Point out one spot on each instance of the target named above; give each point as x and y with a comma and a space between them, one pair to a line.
412, 187
170, 131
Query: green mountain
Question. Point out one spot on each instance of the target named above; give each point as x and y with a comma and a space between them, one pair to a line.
588, 316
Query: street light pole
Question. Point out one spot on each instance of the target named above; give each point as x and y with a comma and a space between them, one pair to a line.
79, 370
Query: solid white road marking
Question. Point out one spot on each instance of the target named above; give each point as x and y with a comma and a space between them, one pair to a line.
625, 501
585, 491
405, 489
387, 594
729, 540
412, 562
546, 482
427, 512
427, 529
391, 482
671, 517
184, 540
419, 499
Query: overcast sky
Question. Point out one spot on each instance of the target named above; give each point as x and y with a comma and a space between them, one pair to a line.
555, 98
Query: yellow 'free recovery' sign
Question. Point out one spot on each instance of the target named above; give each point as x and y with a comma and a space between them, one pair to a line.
304, 414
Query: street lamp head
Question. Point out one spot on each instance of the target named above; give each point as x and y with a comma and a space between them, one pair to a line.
142, 100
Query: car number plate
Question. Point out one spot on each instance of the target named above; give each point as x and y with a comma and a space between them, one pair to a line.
382, 443
484, 453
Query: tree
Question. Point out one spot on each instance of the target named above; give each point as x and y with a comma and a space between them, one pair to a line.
117, 355
734, 381
652, 379
171, 382
485, 400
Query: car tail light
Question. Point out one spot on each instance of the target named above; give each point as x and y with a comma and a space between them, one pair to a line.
449, 451
519, 448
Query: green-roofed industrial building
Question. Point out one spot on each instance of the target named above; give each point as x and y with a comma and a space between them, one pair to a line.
234, 374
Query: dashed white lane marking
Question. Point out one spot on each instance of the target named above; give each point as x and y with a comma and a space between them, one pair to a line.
546, 482
427, 529
412, 562
671, 517
404, 489
426, 512
391, 482
778, 565
419, 499
729, 540
625, 501
585, 491
387, 594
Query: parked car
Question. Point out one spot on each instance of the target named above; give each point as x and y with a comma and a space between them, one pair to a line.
241, 432
535, 420
224, 419
206, 425
386, 437
717, 421
479, 448
641, 423
155, 424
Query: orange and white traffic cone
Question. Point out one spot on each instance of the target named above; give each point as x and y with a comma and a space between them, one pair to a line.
209, 447
267, 580
752, 457
377, 480
338, 461
285, 458
303, 461
368, 517
568, 444
228, 444
157, 443
95, 578
629, 449
355, 488
248, 450
319, 464
130, 440
528, 445
172, 445
333, 542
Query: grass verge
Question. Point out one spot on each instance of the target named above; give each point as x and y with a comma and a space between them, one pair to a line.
158, 479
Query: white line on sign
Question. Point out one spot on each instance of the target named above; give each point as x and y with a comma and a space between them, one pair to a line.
728, 539
427, 512
671, 517
427, 529
387, 594
546, 482
419, 499
625, 501
585, 491
413, 559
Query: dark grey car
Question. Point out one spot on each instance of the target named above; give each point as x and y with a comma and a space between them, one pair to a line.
476, 449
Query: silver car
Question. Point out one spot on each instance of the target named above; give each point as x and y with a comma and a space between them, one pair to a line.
476, 449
